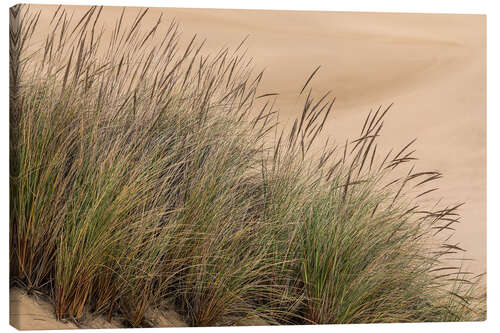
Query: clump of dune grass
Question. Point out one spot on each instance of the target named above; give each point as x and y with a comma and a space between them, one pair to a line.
142, 171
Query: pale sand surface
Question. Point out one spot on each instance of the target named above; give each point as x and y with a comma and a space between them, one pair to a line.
36, 313
30, 313
432, 66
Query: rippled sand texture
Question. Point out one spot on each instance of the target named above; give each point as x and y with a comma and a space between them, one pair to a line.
432, 66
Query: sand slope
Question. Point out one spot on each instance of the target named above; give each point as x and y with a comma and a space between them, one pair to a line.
433, 67
36, 313
30, 313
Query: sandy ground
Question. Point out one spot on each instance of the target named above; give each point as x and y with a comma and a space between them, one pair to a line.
36, 313
432, 66
30, 313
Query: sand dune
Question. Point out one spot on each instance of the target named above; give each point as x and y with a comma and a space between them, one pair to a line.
433, 67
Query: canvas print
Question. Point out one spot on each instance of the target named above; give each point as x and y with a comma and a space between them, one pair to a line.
214, 167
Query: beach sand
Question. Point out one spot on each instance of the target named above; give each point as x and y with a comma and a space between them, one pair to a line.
31, 312
431, 66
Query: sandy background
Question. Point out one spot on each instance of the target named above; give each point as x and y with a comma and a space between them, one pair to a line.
432, 66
